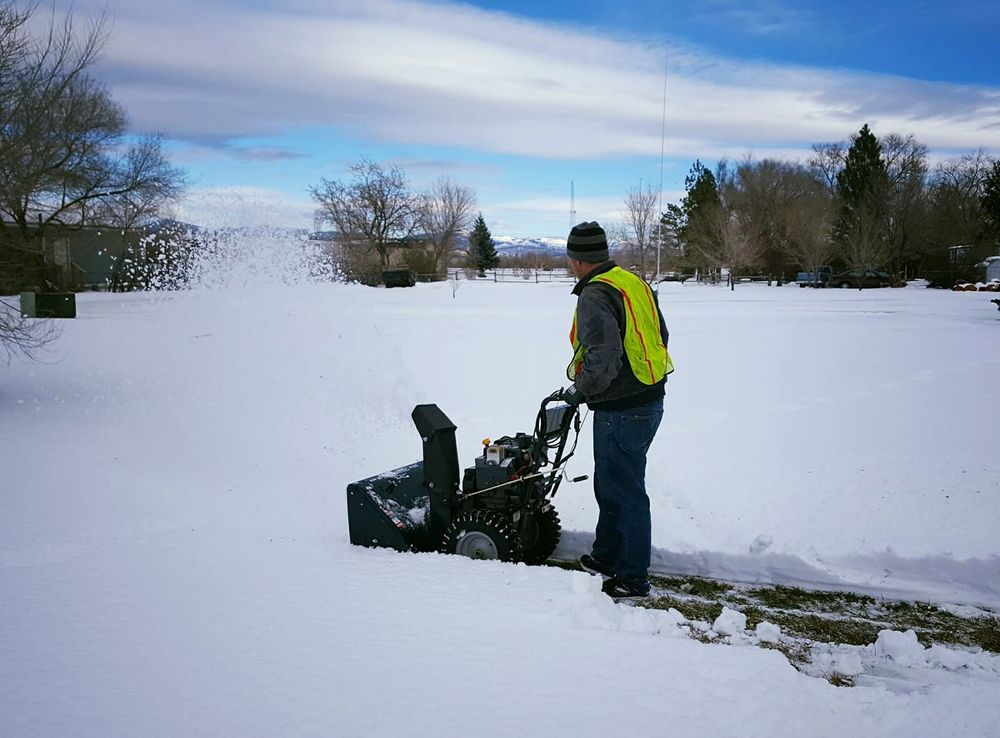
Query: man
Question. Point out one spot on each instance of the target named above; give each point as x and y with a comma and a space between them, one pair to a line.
619, 368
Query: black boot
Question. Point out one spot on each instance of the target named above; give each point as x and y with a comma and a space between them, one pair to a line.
618, 589
593, 566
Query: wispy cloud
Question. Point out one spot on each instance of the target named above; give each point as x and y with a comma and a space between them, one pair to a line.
433, 168
757, 17
264, 153
282, 92
440, 74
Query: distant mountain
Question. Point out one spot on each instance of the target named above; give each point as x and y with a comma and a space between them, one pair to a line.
514, 246
505, 245
517, 246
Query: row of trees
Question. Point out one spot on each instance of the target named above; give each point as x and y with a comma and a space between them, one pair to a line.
375, 212
873, 204
65, 157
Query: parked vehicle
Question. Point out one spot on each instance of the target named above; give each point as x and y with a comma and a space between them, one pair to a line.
819, 278
398, 278
864, 279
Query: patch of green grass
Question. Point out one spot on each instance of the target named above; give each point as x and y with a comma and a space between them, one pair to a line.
695, 586
794, 598
755, 615
935, 625
985, 632
690, 609
848, 631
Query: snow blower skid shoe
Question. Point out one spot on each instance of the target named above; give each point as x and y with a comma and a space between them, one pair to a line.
503, 508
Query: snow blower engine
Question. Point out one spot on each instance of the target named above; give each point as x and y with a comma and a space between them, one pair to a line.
503, 508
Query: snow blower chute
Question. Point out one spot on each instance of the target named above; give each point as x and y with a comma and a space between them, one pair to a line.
501, 510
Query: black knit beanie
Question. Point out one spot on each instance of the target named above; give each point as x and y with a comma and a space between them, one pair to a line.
587, 242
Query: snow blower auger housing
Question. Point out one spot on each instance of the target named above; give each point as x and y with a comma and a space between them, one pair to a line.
501, 510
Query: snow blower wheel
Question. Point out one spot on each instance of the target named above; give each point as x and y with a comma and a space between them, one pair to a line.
539, 535
481, 535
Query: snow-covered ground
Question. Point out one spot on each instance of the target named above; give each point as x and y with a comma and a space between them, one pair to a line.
174, 557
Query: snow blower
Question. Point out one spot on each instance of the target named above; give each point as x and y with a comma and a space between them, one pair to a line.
503, 507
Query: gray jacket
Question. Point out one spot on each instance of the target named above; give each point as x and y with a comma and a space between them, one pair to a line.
606, 380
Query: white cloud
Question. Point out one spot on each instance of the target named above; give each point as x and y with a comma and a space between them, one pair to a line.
441, 74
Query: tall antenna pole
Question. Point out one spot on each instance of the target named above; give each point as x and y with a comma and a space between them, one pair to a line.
663, 136
572, 206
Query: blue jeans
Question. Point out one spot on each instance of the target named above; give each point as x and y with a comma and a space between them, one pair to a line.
621, 440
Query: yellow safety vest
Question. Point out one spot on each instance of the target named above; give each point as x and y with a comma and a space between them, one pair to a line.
643, 344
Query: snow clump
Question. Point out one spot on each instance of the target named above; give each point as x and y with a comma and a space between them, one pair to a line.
729, 622
903, 648
768, 632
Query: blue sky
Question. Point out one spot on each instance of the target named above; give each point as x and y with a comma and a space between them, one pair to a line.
259, 100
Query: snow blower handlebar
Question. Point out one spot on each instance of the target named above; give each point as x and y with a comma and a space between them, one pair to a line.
512, 462
552, 428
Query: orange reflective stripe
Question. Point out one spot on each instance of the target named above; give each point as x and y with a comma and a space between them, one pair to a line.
645, 351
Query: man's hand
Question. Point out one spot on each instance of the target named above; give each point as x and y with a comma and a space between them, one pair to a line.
571, 396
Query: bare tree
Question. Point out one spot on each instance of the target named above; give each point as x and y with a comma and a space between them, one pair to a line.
20, 335
702, 238
768, 195
639, 220
863, 242
148, 183
956, 218
373, 211
618, 238
810, 230
13, 43
906, 165
760, 194
725, 239
58, 125
446, 210
739, 245
826, 162
957, 188
60, 132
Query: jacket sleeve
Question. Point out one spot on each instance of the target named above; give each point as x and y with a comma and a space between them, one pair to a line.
599, 331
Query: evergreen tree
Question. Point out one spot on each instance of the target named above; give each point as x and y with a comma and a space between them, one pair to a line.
482, 250
863, 183
683, 222
991, 201
702, 193
863, 187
